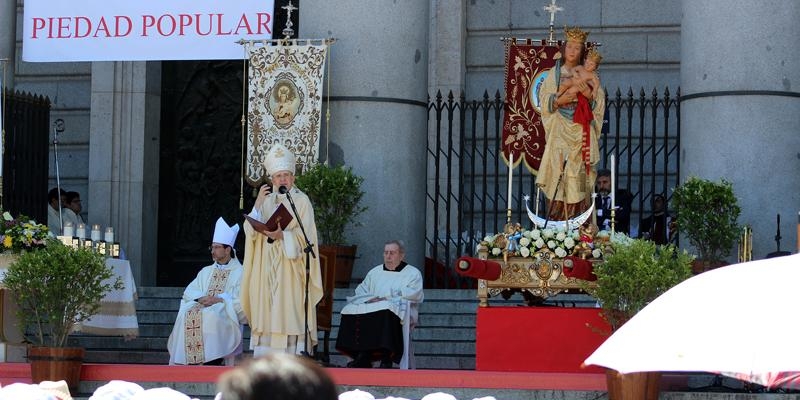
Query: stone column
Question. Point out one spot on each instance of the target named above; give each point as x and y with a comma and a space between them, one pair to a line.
8, 40
379, 82
123, 158
740, 86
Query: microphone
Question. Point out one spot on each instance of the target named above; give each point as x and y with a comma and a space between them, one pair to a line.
283, 190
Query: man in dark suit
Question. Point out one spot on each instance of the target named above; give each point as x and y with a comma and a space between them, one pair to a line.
623, 200
658, 226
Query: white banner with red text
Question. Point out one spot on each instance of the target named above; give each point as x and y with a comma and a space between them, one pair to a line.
103, 30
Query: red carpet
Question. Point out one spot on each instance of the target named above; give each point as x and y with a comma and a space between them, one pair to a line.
16, 372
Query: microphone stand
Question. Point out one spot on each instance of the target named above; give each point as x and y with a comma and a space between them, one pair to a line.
59, 125
309, 250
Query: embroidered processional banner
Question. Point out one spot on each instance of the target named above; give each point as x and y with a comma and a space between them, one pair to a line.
284, 104
526, 68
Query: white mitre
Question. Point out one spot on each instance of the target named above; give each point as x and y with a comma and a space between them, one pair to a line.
279, 158
224, 234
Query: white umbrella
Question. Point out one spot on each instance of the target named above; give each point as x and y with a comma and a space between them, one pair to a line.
741, 320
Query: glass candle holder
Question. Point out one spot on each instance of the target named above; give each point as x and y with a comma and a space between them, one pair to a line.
69, 230
109, 236
95, 233
81, 231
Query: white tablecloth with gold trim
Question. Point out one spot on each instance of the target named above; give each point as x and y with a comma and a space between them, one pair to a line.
117, 316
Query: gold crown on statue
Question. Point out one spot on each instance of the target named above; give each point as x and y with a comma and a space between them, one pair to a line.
575, 34
594, 55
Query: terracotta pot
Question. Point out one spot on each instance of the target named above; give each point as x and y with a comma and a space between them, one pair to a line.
633, 386
55, 364
338, 259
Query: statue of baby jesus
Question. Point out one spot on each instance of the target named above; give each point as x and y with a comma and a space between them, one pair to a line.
585, 73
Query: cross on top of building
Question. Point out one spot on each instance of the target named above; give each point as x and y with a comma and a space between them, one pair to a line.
288, 31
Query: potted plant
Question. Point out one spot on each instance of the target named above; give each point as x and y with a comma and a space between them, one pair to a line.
335, 193
707, 214
633, 275
56, 287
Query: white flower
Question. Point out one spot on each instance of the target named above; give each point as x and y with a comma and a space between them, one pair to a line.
7, 216
596, 253
560, 236
576, 235
523, 241
489, 238
496, 251
561, 253
524, 251
536, 234
547, 233
527, 234
539, 243
551, 244
569, 243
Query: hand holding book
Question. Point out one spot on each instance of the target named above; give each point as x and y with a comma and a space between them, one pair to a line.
277, 221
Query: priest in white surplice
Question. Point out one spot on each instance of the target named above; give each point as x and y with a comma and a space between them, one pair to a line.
377, 321
208, 329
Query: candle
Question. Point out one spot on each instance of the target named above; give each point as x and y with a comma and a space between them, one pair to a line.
95, 233
69, 230
510, 176
538, 191
613, 193
109, 236
81, 232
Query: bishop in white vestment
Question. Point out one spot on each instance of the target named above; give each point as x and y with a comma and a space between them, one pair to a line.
274, 284
210, 319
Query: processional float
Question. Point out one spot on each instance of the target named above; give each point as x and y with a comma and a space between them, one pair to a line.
558, 253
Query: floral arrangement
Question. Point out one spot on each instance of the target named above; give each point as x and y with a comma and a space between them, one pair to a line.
21, 233
526, 243
560, 242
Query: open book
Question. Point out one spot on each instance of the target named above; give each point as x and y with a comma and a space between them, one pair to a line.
279, 220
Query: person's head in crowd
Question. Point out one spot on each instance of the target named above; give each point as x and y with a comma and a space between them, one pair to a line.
25, 391
278, 376
356, 394
117, 390
394, 251
59, 389
280, 164
162, 393
659, 203
223, 240
73, 202
56, 200
604, 181
439, 396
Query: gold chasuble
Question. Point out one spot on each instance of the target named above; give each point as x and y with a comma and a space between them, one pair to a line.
273, 285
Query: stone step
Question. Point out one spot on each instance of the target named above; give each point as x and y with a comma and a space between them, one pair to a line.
432, 307
443, 339
466, 320
420, 333
422, 345
423, 361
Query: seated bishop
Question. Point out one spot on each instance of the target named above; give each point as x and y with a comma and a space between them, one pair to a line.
208, 329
